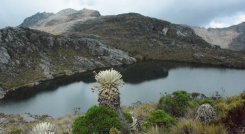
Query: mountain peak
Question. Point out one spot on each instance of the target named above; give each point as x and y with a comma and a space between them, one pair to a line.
59, 22
67, 11
89, 13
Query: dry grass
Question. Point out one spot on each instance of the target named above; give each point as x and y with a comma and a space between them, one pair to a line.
226, 105
64, 124
143, 110
189, 126
16, 125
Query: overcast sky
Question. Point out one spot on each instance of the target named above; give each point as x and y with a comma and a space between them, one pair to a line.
205, 13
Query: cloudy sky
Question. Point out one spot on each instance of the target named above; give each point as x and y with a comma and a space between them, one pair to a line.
205, 13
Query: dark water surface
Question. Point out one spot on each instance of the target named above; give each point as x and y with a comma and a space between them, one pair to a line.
144, 82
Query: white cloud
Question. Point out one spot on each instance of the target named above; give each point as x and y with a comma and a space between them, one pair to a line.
227, 21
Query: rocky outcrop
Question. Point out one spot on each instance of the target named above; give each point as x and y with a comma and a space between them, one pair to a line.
28, 56
232, 37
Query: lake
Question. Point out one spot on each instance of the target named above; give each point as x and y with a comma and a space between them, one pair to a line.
145, 82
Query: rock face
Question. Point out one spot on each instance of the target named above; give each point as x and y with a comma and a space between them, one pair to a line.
232, 37
28, 56
60, 22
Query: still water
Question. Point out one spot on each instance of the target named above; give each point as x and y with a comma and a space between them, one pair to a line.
145, 85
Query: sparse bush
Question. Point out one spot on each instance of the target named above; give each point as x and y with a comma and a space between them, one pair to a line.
98, 119
176, 103
114, 131
160, 119
44, 128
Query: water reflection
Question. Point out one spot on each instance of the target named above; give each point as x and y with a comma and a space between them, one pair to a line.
144, 82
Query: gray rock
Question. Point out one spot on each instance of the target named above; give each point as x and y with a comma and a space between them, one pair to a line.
220, 58
111, 61
4, 56
68, 72
3, 120
95, 47
121, 56
84, 63
45, 66
50, 41
0, 37
110, 55
198, 56
164, 31
1, 131
27, 117
2, 93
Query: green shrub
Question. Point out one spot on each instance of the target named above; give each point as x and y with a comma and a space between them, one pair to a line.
159, 118
128, 117
98, 119
176, 103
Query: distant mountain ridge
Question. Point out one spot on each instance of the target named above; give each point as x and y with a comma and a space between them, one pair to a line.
60, 22
232, 37
35, 19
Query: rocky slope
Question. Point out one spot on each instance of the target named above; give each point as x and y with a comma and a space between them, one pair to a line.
232, 37
30, 56
60, 22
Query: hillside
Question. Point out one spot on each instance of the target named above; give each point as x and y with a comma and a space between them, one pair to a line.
28, 57
151, 39
232, 37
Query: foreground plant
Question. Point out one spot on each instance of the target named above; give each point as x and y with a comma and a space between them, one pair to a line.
98, 120
109, 82
175, 104
44, 128
159, 118
206, 113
